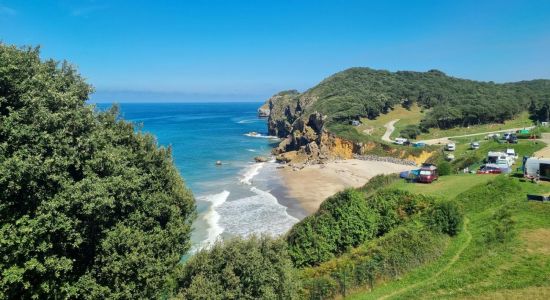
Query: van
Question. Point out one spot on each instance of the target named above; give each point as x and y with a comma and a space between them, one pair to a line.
537, 168
474, 145
450, 147
427, 174
400, 141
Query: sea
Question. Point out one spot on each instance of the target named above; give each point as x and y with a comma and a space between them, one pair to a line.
237, 198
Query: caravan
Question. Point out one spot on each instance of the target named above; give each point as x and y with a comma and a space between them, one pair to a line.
536, 168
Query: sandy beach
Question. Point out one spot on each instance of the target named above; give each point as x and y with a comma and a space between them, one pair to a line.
313, 184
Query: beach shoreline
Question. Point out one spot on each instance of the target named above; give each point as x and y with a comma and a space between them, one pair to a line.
311, 185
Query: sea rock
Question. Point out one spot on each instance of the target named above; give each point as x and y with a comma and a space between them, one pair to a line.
260, 159
286, 157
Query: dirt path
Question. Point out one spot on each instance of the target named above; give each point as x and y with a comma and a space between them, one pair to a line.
433, 278
389, 130
545, 152
445, 140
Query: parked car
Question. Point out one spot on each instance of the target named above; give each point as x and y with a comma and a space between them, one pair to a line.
537, 168
512, 139
428, 174
489, 169
492, 136
450, 147
450, 157
400, 141
419, 144
511, 153
474, 145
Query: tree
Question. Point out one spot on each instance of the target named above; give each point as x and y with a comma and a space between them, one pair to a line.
252, 268
89, 208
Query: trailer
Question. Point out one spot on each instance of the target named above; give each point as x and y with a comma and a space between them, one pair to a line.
537, 168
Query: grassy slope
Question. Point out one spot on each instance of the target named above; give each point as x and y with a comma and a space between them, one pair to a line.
406, 117
519, 122
471, 269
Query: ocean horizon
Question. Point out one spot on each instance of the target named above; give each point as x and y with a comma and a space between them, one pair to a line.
239, 197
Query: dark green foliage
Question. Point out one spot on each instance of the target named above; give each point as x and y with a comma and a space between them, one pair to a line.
444, 168
393, 207
410, 132
252, 268
347, 219
364, 92
387, 257
88, 207
343, 221
445, 217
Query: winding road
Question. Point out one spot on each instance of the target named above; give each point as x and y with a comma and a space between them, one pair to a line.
389, 130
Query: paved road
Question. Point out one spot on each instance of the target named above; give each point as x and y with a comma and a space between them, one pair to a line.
445, 140
389, 130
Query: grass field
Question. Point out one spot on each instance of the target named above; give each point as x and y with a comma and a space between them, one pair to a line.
474, 266
519, 122
406, 117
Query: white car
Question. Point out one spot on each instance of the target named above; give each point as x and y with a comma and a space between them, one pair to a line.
450, 147
400, 141
474, 145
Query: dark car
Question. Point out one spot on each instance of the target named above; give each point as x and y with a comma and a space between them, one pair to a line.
427, 174
489, 169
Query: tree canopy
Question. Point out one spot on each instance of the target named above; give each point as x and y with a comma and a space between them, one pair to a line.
89, 207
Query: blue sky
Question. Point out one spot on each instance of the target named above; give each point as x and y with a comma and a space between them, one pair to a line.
248, 50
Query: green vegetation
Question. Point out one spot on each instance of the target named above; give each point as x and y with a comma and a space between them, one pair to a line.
501, 252
375, 127
366, 93
252, 268
89, 208
522, 120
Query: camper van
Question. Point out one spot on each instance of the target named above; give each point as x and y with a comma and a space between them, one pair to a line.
537, 168
400, 141
427, 174
501, 159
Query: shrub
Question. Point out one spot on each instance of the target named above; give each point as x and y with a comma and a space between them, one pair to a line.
389, 256
410, 132
343, 221
445, 217
252, 268
393, 207
379, 181
444, 168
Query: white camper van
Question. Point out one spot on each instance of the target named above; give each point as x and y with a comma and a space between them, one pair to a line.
537, 168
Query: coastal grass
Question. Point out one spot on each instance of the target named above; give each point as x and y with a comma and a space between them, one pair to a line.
481, 266
406, 117
445, 186
522, 120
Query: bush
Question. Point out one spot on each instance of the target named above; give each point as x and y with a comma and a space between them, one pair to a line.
394, 207
252, 268
445, 217
379, 181
444, 168
343, 221
410, 132
402, 249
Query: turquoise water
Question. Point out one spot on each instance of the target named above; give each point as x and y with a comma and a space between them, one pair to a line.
239, 197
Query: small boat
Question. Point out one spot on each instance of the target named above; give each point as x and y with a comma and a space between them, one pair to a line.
218, 163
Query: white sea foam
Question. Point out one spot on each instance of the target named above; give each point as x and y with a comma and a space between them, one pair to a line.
248, 121
250, 172
260, 213
250, 150
261, 136
212, 217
